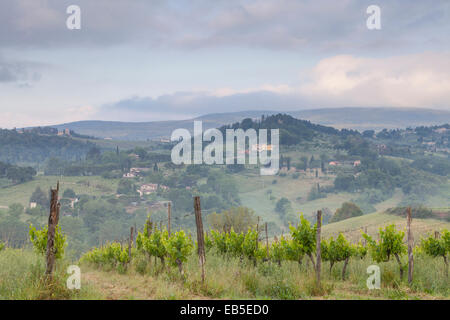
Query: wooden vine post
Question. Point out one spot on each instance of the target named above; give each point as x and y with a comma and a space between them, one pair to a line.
365, 241
149, 227
169, 212
257, 226
200, 236
130, 242
318, 253
410, 246
53, 220
267, 241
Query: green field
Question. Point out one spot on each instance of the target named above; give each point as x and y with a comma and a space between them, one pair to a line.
352, 227
92, 185
254, 194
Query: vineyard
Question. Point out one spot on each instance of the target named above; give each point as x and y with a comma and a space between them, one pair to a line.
233, 264
298, 247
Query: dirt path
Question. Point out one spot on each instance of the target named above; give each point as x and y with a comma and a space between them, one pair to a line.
114, 286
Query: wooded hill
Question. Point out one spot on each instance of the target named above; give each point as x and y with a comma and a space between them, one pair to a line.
29, 147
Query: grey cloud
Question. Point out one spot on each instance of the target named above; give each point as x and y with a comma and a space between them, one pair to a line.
282, 24
21, 72
193, 104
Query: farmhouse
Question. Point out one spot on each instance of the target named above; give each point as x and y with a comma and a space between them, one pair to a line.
129, 175
148, 188
262, 147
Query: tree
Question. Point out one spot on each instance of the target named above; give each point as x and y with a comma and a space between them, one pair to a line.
283, 206
344, 182
240, 219
69, 193
40, 198
303, 165
93, 154
368, 133
323, 168
54, 166
95, 212
12, 230
37, 211
15, 209
20, 175
315, 193
348, 210
126, 187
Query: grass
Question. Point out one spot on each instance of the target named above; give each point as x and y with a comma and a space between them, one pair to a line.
351, 228
441, 198
21, 193
254, 193
22, 278
229, 278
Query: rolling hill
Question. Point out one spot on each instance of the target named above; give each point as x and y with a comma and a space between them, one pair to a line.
351, 118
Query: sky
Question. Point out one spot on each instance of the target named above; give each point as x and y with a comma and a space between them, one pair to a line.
154, 60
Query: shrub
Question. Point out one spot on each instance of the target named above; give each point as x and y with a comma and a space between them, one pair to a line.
348, 210
438, 247
304, 236
178, 247
39, 239
337, 250
390, 244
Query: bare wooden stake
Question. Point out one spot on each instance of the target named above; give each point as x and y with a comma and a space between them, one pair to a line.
267, 241
365, 241
410, 246
169, 211
53, 220
149, 227
200, 236
318, 253
130, 242
257, 227
436, 234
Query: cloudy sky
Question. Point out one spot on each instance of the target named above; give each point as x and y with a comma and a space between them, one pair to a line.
146, 60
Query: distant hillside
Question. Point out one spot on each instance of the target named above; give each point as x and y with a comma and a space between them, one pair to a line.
155, 129
351, 118
292, 130
17, 147
374, 118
